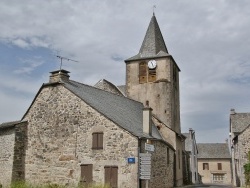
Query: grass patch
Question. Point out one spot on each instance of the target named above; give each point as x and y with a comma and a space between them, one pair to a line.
27, 185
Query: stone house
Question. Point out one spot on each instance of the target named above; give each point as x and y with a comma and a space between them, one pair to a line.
214, 163
192, 154
75, 133
239, 131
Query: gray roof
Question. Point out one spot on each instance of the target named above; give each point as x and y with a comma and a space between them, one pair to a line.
153, 44
213, 151
239, 121
9, 124
123, 111
122, 88
108, 86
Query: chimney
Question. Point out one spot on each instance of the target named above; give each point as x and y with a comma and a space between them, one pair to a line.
147, 120
232, 111
59, 76
191, 133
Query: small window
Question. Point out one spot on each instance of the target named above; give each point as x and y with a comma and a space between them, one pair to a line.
205, 166
219, 166
97, 142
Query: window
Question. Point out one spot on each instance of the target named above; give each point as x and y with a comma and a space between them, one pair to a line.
219, 166
146, 74
111, 176
97, 142
218, 178
142, 72
86, 174
205, 166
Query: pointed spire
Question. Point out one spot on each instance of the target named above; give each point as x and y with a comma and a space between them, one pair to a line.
153, 42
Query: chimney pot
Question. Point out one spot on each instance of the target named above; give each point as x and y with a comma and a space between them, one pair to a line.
232, 111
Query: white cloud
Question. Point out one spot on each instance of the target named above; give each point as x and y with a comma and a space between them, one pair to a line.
209, 40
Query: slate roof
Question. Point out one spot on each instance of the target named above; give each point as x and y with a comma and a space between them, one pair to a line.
8, 124
239, 122
213, 151
122, 88
123, 111
153, 44
108, 86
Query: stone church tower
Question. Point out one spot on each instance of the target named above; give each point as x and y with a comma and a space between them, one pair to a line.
153, 75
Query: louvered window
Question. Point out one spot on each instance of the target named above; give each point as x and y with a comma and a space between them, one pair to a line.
97, 142
142, 72
146, 74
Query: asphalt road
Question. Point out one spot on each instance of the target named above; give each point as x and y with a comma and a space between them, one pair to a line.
211, 186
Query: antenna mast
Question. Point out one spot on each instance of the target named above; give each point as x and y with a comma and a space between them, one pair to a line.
60, 57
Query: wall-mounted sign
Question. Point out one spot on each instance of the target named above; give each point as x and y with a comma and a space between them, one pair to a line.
145, 165
131, 160
149, 147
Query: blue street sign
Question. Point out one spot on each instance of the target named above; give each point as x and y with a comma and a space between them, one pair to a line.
131, 160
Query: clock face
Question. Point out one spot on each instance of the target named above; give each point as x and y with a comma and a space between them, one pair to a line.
152, 64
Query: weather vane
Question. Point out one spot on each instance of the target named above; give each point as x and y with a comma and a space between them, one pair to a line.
60, 57
154, 9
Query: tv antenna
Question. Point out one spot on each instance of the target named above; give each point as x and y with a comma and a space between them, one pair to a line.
65, 58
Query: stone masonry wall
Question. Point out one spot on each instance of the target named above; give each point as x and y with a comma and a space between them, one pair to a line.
7, 140
18, 171
162, 174
207, 175
60, 127
244, 149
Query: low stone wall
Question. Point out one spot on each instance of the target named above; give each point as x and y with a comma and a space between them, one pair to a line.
7, 140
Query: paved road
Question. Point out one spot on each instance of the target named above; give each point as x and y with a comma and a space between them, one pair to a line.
211, 186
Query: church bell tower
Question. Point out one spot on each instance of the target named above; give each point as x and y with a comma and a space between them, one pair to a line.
153, 75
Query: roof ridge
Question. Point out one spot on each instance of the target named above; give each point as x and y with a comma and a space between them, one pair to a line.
105, 91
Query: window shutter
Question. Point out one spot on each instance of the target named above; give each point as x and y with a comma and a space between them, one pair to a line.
94, 141
100, 141
111, 176
97, 142
219, 166
86, 174
114, 177
107, 174
142, 72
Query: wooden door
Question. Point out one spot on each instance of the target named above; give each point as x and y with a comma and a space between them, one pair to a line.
86, 174
111, 176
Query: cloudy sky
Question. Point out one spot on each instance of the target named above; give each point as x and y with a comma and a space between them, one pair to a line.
209, 40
